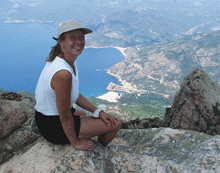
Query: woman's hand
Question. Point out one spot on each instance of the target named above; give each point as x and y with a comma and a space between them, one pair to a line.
109, 120
84, 144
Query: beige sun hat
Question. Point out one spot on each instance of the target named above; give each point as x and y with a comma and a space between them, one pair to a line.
70, 26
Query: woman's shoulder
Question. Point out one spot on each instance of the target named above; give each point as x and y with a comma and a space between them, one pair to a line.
64, 74
61, 79
59, 64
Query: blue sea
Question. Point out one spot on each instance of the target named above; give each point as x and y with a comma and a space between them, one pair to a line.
25, 46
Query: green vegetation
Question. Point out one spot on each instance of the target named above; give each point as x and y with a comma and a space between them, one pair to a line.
136, 105
152, 99
142, 111
27, 94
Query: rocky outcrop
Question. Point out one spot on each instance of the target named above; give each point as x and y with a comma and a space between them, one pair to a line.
15, 143
16, 121
12, 116
159, 150
196, 105
12, 96
143, 123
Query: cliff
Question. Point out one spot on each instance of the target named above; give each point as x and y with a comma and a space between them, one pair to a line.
196, 105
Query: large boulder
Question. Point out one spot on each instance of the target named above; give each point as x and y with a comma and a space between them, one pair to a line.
15, 143
159, 150
12, 116
196, 105
16, 123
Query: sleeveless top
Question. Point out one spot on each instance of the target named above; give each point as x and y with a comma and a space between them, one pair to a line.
44, 94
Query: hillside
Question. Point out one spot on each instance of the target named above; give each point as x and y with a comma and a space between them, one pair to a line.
2, 91
121, 29
161, 68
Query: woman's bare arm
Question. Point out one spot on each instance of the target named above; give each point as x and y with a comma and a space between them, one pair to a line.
62, 83
85, 104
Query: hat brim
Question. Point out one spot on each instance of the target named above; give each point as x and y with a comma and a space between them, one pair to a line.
86, 31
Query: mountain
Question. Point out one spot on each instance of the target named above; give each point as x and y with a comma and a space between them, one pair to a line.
122, 29
161, 68
122, 23
137, 25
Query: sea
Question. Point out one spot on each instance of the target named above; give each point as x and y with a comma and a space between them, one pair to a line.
24, 46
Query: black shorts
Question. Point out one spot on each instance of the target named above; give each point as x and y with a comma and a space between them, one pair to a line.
51, 129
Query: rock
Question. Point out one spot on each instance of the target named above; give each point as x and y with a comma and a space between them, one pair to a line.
143, 123
159, 150
16, 141
30, 124
196, 105
12, 96
12, 116
16, 123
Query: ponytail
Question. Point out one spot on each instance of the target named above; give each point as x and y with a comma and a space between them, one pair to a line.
56, 50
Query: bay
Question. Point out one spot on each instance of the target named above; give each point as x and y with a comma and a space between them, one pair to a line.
25, 46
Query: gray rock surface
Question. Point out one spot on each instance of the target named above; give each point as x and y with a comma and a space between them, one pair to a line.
196, 105
16, 123
159, 150
12, 116
16, 142
143, 123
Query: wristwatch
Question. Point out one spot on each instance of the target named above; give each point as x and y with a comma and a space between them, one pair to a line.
100, 108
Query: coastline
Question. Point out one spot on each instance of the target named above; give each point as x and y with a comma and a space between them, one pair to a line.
111, 95
121, 49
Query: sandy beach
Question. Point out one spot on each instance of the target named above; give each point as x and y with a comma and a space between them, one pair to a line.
121, 49
110, 96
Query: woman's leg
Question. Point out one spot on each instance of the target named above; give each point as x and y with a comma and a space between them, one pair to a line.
91, 127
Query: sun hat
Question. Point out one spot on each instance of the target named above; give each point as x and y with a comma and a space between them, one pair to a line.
70, 26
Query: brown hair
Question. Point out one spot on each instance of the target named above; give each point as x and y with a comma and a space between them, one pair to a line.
56, 50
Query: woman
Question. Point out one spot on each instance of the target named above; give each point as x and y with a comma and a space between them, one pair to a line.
58, 89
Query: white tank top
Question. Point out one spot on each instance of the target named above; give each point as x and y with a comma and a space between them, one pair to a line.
44, 94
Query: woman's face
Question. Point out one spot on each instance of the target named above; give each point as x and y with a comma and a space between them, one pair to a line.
73, 44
